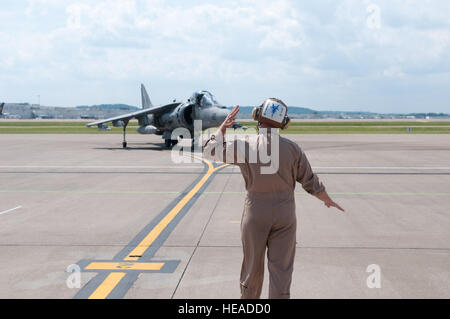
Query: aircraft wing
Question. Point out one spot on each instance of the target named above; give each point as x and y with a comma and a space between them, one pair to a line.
137, 114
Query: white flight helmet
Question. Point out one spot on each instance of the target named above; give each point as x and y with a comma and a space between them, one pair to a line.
274, 112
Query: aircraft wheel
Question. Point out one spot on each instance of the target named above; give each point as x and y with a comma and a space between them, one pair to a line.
124, 144
168, 143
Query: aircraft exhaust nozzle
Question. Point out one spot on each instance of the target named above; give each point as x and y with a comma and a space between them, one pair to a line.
148, 129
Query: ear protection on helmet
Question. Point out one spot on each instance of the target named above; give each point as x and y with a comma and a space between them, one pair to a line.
286, 123
256, 112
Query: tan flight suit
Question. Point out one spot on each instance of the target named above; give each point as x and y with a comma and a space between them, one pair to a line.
269, 218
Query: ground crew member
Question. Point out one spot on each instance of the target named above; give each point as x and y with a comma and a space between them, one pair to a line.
269, 217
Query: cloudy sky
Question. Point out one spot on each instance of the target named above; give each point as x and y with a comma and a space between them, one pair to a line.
370, 55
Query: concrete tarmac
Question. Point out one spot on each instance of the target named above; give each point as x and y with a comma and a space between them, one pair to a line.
75, 199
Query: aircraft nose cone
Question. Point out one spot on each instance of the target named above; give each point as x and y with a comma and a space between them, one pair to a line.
223, 114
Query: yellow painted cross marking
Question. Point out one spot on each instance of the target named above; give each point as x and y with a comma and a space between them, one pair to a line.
114, 278
107, 265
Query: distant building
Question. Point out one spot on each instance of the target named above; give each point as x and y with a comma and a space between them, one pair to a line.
34, 111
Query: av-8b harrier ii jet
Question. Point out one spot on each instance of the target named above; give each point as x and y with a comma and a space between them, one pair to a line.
162, 120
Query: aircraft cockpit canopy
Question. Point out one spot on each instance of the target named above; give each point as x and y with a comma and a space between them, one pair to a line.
204, 99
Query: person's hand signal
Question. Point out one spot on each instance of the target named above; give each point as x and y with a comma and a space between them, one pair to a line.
229, 121
331, 203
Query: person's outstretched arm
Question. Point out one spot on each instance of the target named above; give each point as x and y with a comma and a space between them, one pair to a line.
323, 196
311, 183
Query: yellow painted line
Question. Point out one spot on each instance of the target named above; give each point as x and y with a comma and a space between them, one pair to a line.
124, 265
219, 167
154, 233
114, 278
107, 285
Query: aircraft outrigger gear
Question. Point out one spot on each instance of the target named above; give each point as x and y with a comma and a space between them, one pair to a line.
124, 143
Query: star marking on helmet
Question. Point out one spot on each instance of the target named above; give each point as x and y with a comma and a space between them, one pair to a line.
275, 107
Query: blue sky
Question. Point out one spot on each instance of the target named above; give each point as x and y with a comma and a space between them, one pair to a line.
380, 55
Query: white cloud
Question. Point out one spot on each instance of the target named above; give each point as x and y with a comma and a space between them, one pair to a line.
320, 55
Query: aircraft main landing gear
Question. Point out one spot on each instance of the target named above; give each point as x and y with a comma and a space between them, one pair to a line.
170, 143
124, 143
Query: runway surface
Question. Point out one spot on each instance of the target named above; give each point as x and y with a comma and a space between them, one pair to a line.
140, 226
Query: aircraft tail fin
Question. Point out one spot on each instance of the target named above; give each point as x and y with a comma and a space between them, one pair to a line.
146, 103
